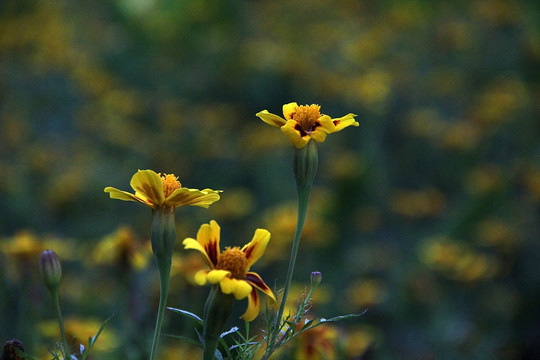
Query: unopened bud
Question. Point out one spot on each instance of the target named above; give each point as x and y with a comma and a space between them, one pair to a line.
316, 278
50, 268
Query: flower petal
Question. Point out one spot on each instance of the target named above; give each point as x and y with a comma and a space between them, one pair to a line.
319, 134
327, 124
193, 197
190, 243
239, 288
271, 119
215, 276
289, 110
342, 122
201, 277
254, 304
148, 184
114, 193
255, 280
289, 130
255, 248
208, 237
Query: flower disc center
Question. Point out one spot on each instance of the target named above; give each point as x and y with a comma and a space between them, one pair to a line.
233, 260
307, 116
170, 183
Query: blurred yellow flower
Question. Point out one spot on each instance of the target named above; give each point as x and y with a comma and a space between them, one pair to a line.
302, 123
79, 330
163, 192
230, 268
318, 343
120, 248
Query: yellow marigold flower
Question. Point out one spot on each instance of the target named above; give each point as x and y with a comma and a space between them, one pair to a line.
302, 123
163, 192
230, 268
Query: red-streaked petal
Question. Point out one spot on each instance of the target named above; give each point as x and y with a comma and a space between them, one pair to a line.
190, 243
255, 280
255, 248
208, 237
254, 304
148, 184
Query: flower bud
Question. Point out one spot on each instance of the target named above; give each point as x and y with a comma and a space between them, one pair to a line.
50, 268
316, 278
305, 162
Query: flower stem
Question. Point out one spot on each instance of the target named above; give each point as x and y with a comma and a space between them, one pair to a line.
164, 275
217, 312
303, 199
56, 300
163, 237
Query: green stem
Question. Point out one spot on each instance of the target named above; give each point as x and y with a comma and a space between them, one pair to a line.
164, 276
303, 199
217, 312
163, 238
56, 300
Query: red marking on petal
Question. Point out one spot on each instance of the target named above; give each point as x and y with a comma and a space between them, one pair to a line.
257, 281
212, 251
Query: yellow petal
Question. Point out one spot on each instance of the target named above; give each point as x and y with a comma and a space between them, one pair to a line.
239, 288
201, 277
289, 109
271, 119
215, 276
319, 134
149, 184
193, 197
253, 306
294, 135
326, 124
256, 247
345, 121
124, 195
190, 243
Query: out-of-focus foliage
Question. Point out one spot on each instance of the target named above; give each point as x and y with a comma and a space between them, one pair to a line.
426, 215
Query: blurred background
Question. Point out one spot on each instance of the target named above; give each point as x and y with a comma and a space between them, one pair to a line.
426, 214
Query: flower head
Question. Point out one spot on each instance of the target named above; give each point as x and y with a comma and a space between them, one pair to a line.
302, 123
230, 268
163, 192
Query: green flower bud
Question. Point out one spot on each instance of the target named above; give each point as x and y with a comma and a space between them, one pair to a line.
305, 162
316, 278
51, 269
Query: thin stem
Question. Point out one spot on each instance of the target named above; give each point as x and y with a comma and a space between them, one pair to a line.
164, 276
163, 237
56, 300
303, 199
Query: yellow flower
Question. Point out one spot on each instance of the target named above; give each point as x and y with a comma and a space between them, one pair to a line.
230, 268
163, 192
305, 122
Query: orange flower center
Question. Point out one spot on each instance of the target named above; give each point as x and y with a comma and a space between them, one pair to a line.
307, 117
170, 183
233, 260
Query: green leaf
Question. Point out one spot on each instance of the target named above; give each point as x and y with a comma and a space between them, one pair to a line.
187, 314
92, 341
